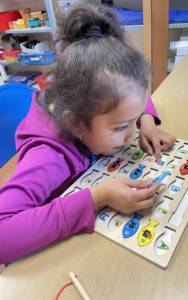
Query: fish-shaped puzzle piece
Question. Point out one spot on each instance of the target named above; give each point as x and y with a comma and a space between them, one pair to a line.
176, 186
104, 216
115, 165
173, 164
146, 235
184, 168
162, 208
131, 227
161, 177
136, 173
163, 244
183, 150
138, 154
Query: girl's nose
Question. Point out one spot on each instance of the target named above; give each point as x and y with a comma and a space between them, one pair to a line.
128, 140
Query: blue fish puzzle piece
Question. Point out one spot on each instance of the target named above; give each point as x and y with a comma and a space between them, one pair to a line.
175, 188
131, 227
136, 173
103, 216
160, 177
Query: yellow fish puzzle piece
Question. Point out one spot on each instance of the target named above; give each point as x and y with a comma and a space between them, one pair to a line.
147, 233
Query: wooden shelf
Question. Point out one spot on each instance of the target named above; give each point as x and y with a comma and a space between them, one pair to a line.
45, 29
178, 25
170, 26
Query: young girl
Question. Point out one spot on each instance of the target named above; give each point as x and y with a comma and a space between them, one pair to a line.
92, 107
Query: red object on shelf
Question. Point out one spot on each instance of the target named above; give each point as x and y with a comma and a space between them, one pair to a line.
6, 17
10, 56
11, 53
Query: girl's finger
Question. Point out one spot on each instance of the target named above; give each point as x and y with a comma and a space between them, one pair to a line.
145, 145
146, 193
167, 143
165, 147
138, 184
156, 148
146, 203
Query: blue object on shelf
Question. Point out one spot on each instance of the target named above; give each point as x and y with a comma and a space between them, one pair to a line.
34, 23
128, 17
15, 100
178, 16
135, 17
23, 77
38, 59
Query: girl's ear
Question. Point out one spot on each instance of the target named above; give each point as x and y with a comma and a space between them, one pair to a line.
73, 123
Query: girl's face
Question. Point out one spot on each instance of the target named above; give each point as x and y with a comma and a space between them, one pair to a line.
115, 129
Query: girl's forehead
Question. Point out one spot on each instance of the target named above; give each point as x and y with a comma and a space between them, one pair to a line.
117, 86
126, 110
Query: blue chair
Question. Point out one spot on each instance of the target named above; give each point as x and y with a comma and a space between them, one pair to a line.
15, 100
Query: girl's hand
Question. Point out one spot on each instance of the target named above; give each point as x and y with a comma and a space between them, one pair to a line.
152, 139
124, 195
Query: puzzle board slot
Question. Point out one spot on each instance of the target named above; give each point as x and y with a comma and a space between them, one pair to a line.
71, 191
177, 216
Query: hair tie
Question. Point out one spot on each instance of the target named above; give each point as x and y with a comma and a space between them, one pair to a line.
94, 31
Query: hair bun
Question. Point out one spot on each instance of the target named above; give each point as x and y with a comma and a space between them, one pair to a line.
94, 31
88, 20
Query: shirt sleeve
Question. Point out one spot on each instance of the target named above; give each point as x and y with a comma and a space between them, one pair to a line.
151, 110
27, 221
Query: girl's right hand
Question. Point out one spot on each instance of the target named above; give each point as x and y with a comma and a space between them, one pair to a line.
124, 195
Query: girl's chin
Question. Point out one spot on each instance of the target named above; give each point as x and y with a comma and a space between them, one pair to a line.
108, 153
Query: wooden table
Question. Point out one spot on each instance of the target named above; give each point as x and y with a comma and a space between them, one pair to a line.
107, 270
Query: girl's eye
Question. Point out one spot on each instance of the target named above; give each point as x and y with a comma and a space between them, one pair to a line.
121, 128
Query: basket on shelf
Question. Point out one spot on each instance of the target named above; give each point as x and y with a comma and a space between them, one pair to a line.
38, 59
35, 47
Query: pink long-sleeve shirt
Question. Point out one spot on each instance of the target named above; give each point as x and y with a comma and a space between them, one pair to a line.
32, 213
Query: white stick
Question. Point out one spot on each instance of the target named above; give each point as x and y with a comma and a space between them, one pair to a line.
79, 287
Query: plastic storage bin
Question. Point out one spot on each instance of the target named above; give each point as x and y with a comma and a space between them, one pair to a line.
40, 48
38, 59
6, 17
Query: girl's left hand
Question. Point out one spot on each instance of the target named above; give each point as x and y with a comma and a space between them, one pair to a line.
152, 139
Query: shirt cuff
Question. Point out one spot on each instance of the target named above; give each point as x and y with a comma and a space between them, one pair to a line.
79, 213
150, 110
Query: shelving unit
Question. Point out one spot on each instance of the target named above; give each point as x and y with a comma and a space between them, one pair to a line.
155, 25
52, 29
44, 29
156, 29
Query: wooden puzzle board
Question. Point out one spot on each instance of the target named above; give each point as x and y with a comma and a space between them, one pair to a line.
152, 233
